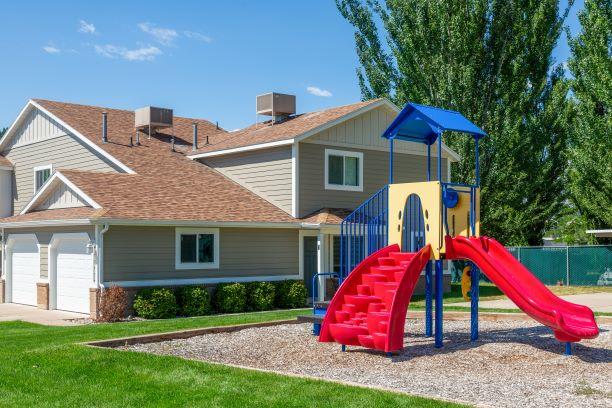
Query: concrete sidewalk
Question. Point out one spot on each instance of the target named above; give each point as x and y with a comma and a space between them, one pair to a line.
11, 311
598, 302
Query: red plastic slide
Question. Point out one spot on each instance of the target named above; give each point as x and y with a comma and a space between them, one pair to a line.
569, 321
369, 309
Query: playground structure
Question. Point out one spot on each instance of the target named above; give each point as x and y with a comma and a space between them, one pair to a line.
407, 227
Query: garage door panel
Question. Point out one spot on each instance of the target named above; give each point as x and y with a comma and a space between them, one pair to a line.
25, 270
74, 269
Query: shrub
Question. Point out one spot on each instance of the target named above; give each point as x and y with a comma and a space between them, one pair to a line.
290, 294
193, 300
155, 303
113, 304
297, 294
230, 298
260, 296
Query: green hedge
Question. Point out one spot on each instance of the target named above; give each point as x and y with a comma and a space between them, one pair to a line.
164, 303
260, 296
155, 303
290, 294
230, 298
193, 300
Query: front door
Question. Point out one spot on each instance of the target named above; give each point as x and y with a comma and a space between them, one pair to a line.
310, 262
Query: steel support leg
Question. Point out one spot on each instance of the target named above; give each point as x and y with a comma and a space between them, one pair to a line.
568, 348
428, 300
439, 306
474, 294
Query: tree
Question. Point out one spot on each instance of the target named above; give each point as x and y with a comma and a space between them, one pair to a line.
492, 61
590, 173
2, 132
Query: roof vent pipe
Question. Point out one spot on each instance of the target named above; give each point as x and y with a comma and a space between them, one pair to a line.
104, 128
195, 136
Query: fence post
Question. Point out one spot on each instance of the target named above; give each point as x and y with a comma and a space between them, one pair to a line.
519, 254
567, 270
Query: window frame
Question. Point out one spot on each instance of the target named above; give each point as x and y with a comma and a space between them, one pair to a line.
344, 154
196, 265
41, 168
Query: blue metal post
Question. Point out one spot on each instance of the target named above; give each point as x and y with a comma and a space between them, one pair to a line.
439, 292
477, 163
391, 161
344, 347
439, 156
428, 162
474, 294
568, 348
428, 300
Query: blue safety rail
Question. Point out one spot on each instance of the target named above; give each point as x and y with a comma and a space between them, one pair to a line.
414, 225
315, 287
364, 231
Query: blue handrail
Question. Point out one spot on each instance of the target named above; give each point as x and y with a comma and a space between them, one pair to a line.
364, 231
314, 279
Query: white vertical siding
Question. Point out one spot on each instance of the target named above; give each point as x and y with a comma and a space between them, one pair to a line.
62, 197
36, 126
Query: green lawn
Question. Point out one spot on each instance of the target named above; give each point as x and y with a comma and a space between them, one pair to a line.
43, 366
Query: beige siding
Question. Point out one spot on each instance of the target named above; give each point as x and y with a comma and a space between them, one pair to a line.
148, 253
61, 152
36, 126
62, 197
265, 172
314, 196
364, 131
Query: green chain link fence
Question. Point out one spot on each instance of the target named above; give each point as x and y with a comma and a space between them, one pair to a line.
572, 265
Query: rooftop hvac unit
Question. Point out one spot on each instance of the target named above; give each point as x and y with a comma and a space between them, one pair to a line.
154, 117
275, 104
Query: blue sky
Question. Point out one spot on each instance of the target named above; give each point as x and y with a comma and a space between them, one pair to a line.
202, 58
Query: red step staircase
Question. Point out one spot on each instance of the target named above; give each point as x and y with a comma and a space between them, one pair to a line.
369, 309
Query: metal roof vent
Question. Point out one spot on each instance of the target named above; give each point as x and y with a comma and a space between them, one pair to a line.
277, 105
152, 118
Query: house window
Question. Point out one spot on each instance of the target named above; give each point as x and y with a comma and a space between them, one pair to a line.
343, 170
41, 175
197, 248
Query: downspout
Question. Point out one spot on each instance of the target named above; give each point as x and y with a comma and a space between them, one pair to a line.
100, 240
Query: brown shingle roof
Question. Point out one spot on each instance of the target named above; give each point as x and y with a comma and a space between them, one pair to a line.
327, 216
81, 213
268, 132
167, 185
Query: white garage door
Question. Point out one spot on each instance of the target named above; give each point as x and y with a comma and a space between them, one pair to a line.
74, 268
25, 269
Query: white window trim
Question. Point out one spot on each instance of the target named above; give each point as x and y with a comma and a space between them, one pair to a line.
195, 265
344, 153
39, 168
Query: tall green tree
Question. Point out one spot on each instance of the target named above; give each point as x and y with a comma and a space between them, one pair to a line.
590, 174
492, 61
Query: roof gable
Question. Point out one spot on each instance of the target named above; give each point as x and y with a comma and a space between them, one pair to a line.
59, 192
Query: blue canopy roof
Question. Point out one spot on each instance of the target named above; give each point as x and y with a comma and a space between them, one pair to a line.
423, 124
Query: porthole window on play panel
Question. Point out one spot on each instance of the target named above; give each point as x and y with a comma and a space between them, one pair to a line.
197, 248
343, 170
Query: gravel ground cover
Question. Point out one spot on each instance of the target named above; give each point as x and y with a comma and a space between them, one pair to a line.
514, 363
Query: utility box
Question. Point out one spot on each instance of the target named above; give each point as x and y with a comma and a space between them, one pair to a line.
153, 117
276, 104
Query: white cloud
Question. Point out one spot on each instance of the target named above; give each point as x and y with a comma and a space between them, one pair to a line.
147, 53
87, 28
197, 36
49, 49
164, 36
316, 91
